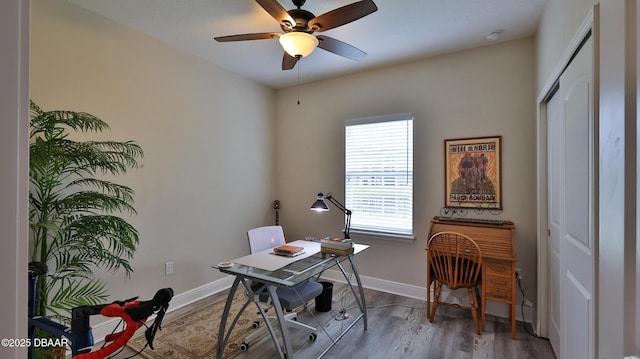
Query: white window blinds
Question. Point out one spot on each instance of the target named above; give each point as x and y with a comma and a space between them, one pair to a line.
379, 174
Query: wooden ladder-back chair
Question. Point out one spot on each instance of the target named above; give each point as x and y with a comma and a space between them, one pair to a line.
455, 260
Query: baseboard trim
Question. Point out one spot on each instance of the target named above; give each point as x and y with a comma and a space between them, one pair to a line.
407, 290
383, 285
178, 301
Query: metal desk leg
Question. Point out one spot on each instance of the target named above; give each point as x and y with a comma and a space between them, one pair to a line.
359, 299
223, 320
361, 289
283, 324
223, 339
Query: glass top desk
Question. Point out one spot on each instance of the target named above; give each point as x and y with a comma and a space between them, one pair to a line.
274, 271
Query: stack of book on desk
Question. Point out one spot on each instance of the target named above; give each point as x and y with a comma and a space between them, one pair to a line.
287, 250
337, 246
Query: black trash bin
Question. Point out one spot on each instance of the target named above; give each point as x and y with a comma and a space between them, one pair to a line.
323, 301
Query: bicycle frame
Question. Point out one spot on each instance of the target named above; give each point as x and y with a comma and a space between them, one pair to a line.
80, 342
79, 336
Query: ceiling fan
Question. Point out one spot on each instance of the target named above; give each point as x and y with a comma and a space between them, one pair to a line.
299, 25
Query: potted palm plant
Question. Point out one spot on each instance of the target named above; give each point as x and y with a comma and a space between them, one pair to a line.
74, 209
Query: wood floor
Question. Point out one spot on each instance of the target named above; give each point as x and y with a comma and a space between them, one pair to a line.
397, 328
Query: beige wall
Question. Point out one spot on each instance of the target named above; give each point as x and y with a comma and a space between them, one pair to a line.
214, 159
208, 136
163, 98
482, 92
558, 25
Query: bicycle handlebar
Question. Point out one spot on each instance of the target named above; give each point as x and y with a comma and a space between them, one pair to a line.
146, 308
133, 312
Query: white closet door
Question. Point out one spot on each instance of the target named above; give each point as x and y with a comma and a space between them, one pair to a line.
571, 213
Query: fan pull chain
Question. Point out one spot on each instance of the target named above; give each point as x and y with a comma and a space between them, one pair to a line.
298, 85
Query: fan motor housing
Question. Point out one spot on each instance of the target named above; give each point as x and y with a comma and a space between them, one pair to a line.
302, 18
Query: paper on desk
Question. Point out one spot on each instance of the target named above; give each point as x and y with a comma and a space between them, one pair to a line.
268, 261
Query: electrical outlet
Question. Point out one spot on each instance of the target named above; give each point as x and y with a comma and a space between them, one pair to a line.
519, 273
168, 268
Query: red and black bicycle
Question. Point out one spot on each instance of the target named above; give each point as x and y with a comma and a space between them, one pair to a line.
132, 312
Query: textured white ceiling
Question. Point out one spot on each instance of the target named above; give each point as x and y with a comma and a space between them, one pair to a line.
400, 31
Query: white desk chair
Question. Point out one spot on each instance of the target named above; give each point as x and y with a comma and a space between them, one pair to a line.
263, 238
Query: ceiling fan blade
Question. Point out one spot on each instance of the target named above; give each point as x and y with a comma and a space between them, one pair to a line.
276, 11
288, 61
243, 37
340, 48
342, 15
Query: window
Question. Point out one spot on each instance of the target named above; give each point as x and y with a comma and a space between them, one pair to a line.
379, 175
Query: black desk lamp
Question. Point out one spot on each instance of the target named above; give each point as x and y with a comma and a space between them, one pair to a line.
321, 206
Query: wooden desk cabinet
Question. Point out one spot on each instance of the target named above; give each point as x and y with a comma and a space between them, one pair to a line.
497, 242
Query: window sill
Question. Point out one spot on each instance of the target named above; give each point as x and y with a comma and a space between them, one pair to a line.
364, 234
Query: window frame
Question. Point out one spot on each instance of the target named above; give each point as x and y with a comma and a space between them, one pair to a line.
364, 232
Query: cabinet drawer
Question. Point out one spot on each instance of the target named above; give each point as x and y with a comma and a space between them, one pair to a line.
499, 282
499, 294
498, 268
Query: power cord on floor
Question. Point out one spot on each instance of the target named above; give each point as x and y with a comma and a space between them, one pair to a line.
522, 305
345, 305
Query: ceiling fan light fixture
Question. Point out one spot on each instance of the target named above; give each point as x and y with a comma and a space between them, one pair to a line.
298, 44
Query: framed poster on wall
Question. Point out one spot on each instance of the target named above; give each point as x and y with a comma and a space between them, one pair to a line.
473, 172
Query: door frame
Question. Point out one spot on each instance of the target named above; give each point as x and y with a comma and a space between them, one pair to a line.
14, 207
541, 325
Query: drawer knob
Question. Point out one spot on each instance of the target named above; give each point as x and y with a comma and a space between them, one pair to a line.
498, 268
500, 281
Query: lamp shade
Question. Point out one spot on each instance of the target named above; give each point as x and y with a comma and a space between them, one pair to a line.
320, 205
298, 44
